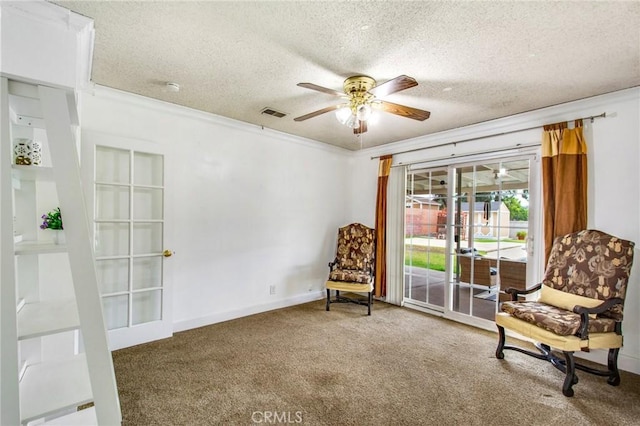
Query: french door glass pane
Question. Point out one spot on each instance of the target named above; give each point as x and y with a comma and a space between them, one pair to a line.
113, 275
112, 165
147, 203
147, 272
147, 238
148, 169
147, 306
116, 311
112, 239
112, 202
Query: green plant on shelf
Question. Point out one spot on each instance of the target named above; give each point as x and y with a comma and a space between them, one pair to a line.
52, 220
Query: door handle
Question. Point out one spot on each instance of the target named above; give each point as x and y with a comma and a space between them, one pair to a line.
167, 253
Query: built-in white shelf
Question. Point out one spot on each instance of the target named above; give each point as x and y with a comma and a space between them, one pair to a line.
78, 418
47, 388
52, 383
39, 247
35, 173
45, 318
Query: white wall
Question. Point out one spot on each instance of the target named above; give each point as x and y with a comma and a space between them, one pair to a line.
251, 208
254, 208
614, 176
43, 42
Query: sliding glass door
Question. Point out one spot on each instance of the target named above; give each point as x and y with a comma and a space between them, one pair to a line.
425, 242
490, 202
467, 235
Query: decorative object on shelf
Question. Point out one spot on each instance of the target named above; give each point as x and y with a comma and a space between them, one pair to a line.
27, 152
22, 151
59, 237
36, 153
53, 220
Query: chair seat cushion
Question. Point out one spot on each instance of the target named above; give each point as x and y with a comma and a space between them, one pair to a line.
556, 320
350, 275
350, 287
563, 343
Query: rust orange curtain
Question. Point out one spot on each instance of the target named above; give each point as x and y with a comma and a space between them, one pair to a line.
384, 168
564, 181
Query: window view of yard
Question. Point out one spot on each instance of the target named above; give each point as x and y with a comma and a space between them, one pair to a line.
426, 252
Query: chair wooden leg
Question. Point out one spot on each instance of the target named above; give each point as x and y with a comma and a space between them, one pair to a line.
612, 363
328, 298
570, 377
369, 304
501, 339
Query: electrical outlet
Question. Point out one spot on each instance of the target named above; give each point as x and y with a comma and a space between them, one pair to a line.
272, 289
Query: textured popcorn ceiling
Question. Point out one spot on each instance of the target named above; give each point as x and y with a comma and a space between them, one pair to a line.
236, 58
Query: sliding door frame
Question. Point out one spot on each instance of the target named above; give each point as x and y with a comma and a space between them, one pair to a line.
534, 235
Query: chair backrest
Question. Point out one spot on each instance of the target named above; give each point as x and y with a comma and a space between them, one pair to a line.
356, 248
591, 264
481, 270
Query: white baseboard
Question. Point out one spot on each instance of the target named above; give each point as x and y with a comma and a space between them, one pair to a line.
246, 311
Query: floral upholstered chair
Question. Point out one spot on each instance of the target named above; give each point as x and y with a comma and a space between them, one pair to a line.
580, 304
352, 269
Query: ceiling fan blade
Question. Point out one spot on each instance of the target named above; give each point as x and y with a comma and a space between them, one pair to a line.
317, 113
360, 129
403, 110
321, 89
392, 86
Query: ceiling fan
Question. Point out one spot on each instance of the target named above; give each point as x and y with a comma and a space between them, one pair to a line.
362, 96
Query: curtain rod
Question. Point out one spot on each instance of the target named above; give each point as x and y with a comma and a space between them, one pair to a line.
471, 154
592, 117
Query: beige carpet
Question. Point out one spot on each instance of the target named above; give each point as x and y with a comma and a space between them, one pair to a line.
398, 367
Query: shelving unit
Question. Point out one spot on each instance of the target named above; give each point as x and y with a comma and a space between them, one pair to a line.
55, 359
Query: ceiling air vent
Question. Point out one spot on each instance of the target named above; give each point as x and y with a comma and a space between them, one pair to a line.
271, 111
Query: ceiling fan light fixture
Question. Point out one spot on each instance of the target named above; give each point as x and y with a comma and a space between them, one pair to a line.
343, 113
363, 112
352, 122
362, 94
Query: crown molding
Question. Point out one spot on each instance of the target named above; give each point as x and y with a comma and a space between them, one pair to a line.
164, 107
568, 111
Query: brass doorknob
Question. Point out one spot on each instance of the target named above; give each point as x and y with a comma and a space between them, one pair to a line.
167, 253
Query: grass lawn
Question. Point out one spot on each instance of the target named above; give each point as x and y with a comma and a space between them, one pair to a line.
493, 240
425, 257
432, 257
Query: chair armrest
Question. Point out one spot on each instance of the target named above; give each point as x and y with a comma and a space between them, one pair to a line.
369, 267
583, 331
515, 292
333, 264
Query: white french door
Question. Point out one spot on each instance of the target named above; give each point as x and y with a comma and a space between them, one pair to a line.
125, 189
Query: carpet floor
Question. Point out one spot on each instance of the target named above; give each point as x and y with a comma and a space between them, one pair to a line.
302, 365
